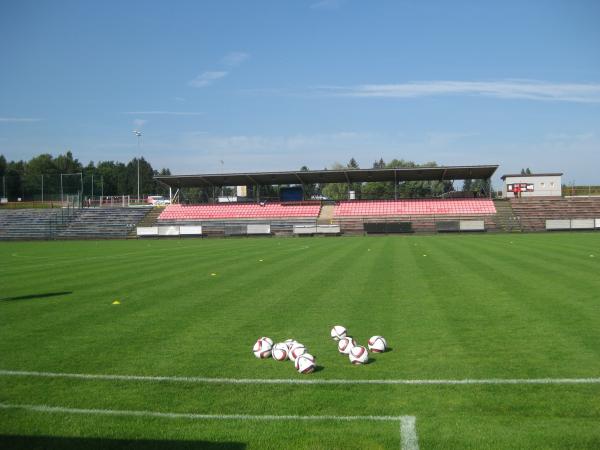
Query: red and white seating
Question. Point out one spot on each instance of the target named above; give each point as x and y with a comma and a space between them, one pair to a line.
239, 211
415, 207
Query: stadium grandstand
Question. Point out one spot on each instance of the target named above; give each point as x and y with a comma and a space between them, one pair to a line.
296, 211
302, 215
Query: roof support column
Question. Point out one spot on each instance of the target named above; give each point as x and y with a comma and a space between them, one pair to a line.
395, 185
348, 180
302, 185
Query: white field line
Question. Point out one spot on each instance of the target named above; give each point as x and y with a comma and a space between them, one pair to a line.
208, 380
408, 434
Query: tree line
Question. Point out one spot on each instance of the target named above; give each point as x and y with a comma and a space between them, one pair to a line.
40, 177
406, 189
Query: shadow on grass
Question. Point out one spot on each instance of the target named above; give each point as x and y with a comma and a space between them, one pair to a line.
318, 369
78, 443
33, 296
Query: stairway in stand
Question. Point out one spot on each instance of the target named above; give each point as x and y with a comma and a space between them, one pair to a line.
149, 220
506, 219
326, 215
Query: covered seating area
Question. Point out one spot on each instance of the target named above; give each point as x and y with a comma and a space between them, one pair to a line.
239, 211
414, 207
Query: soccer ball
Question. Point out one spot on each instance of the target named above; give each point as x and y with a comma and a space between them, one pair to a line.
377, 344
290, 342
305, 363
345, 344
280, 351
296, 350
338, 332
262, 349
268, 339
358, 355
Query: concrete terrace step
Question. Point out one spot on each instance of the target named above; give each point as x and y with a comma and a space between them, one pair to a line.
103, 223
535, 211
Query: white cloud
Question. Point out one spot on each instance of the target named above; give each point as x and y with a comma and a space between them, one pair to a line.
207, 78
164, 113
230, 60
18, 119
507, 89
234, 59
570, 137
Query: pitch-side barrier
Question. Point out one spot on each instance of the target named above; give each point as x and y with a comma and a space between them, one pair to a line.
572, 224
196, 230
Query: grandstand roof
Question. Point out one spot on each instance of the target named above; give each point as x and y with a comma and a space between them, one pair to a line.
511, 175
330, 176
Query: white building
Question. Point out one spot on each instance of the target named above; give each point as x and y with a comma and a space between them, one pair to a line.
533, 185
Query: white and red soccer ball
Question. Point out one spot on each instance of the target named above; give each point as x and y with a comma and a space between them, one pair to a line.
280, 351
338, 332
358, 355
262, 348
377, 344
267, 339
346, 344
290, 342
305, 363
296, 350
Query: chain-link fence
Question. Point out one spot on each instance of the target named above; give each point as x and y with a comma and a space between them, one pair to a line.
575, 191
50, 191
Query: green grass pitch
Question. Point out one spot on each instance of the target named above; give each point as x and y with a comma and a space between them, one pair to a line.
451, 307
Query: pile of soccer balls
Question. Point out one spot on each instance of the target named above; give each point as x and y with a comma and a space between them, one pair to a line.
356, 353
291, 349
304, 362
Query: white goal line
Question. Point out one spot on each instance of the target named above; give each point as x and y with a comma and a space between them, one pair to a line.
207, 380
408, 432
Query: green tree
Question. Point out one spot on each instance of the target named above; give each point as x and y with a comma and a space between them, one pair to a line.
67, 164
14, 180
467, 185
2, 165
356, 187
482, 188
378, 189
310, 189
336, 191
147, 183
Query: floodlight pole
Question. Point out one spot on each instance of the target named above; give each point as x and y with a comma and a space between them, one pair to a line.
81, 194
139, 135
61, 191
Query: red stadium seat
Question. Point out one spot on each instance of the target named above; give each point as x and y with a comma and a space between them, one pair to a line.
238, 211
454, 207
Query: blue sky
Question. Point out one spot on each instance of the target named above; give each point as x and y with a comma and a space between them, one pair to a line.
274, 85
